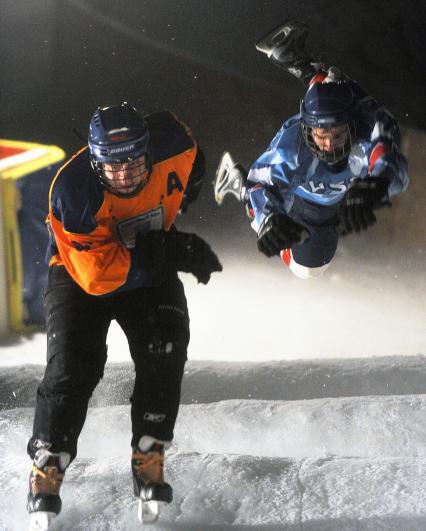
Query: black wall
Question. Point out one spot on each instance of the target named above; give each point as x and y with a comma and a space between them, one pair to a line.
63, 58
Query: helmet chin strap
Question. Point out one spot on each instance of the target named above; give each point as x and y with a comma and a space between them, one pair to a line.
338, 166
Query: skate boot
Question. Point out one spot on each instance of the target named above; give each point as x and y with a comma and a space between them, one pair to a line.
148, 479
230, 179
46, 476
285, 46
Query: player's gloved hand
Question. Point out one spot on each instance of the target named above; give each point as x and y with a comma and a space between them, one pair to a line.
278, 232
356, 212
191, 254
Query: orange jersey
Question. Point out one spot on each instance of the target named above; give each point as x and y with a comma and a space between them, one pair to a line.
93, 231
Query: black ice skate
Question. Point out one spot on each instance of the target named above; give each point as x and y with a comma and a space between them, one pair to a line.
148, 479
46, 476
285, 46
230, 179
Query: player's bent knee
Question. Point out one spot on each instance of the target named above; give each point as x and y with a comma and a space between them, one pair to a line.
304, 272
165, 349
73, 373
301, 271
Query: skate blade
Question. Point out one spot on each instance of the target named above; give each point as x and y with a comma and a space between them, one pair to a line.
278, 35
41, 520
149, 511
223, 184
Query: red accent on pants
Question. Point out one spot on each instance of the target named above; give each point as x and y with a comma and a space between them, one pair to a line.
286, 256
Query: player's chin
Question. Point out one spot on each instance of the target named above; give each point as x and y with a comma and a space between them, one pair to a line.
126, 189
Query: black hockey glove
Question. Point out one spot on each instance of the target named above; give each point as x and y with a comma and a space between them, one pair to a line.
356, 212
278, 232
191, 254
180, 250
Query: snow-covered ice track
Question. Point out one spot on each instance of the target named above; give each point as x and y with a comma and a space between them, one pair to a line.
326, 464
258, 491
234, 491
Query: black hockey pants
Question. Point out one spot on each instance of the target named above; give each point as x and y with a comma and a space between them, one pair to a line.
156, 324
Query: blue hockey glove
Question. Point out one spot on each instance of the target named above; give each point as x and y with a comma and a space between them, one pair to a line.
356, 212
278, 232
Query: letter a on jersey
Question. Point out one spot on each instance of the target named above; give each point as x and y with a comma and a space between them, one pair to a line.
173, 182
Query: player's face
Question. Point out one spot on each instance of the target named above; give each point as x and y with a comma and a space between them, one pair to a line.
125, 177
330, 139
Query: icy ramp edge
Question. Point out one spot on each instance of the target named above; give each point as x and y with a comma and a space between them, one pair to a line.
367, 427
206, 382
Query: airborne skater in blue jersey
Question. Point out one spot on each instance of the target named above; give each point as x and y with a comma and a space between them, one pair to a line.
326, 170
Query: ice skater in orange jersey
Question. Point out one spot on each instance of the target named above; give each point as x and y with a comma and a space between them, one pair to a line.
114, 253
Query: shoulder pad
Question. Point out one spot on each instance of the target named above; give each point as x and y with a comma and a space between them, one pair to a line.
77, 195
168, 136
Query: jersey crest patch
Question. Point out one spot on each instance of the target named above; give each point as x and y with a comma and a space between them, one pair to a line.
128, 228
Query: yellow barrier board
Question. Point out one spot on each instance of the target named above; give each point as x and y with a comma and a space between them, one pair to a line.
18, 160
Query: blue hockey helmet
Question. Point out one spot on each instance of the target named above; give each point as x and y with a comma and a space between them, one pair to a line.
118, 143
329, 107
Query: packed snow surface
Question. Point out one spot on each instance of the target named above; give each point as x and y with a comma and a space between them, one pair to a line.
278, 440
327, 464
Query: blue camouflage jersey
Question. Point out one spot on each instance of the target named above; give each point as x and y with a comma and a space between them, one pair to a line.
288, 168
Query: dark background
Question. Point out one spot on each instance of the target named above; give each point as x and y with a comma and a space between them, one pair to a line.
63, 58
60, 59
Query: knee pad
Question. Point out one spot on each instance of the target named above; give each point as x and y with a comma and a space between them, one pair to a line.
304, 272
167, 347
299, 270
